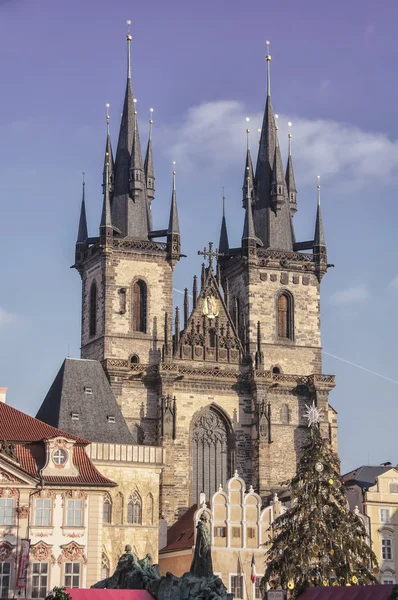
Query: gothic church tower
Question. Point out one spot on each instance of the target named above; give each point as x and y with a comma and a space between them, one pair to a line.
222, 383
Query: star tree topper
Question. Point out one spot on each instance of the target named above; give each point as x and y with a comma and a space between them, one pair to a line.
312, 414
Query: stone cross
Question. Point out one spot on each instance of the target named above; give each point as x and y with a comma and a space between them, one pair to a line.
210, 254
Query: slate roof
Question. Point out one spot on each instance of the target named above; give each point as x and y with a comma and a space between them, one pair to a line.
70, 395
180, 536
365, 476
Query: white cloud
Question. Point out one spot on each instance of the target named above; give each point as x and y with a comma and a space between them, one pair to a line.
350, 295
7, 318
212, 136
394, 282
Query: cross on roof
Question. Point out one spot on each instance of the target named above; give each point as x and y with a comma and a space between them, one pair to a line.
210, 254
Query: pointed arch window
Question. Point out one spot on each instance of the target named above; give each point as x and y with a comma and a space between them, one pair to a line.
118, 509
134, 509
139, 306
285, 316
93, 310
149, 509
212, 452
107, 509
105, 570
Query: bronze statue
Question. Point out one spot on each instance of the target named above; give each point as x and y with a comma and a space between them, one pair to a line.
202, 565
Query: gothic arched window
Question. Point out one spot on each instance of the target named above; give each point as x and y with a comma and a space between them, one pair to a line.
134, 509
211, 445
107, 509
118, 509
149, 506
93, 310
285, 416
285, 316
139, 306
104, 566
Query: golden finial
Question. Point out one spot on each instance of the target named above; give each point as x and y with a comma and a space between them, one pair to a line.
84, 180
128, 36
150, 122
247, 134
289, 135
319, 189
135, 107
276, 122
268, 59
174, 167
107, 117
223, 201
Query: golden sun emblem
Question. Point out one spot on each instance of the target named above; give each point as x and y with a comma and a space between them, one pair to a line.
210, 307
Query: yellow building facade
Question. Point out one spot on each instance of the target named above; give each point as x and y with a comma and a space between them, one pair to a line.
373, 494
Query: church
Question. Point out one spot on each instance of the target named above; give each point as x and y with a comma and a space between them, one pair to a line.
222, 385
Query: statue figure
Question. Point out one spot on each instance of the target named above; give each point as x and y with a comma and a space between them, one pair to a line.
202, 565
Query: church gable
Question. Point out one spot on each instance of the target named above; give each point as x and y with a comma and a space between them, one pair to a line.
210, 334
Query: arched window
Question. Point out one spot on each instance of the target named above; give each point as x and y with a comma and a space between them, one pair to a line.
276, 370
107, 509
104, 566
135, 359
212, 338
93, 310
285, 417
149, 506
211, 444
285, 316
134, 509
118, 509
139, 306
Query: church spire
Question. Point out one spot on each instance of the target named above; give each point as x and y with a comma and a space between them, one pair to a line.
82, 233
249, 240
223, 245
319, 249
108, 158
148, 164
173, 232
248, 167
290, 182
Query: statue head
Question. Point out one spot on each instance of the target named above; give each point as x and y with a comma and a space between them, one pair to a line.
203, 517
127, 548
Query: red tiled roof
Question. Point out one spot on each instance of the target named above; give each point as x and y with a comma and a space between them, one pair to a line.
180, 536
355, 592
16, 426
32, 458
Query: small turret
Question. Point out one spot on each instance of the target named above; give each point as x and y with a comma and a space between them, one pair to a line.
248, 169
148, 163
106, 229
319, 249
108, 158
82, 233
278, 185
249, 239
290, 182
173, 232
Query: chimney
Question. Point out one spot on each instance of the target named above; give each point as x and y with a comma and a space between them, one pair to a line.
3, 394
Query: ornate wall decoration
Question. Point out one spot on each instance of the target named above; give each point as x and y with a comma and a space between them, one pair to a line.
78, 494
5, 551
23, 511
42, 552
72, 552
9, 493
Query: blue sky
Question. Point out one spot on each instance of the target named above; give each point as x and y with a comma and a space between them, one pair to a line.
201, 67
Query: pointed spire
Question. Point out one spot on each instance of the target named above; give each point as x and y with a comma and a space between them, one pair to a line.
195, 291
108, 158
290, 182
278, 185
319, 237
174, 227
226, 294
177, 329
82, 233
248, 167
106, 220
186, 307
223, 245
148, 164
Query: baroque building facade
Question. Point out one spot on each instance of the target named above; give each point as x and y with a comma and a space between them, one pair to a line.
222, 384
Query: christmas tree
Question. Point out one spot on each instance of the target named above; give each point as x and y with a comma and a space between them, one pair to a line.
318, 540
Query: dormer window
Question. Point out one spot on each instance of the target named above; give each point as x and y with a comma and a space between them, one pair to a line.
111, 419
88, 390
60, 456
75, 416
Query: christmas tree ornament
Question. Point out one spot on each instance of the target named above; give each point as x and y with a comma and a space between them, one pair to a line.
330, 482
354, 579
290, 584
324, 582
319, 467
